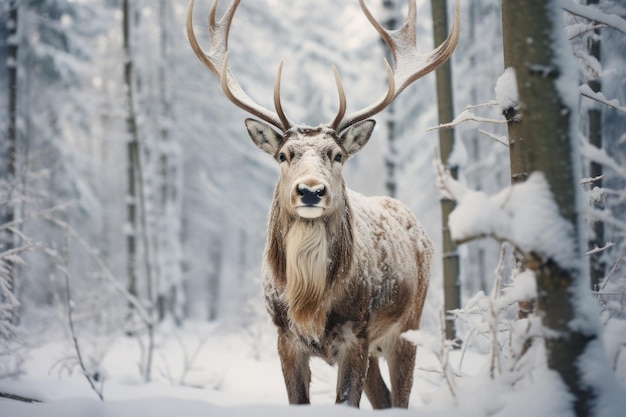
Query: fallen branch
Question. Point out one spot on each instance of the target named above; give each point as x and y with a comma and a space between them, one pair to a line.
16, 397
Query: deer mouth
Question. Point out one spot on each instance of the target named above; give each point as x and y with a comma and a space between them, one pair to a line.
310, 211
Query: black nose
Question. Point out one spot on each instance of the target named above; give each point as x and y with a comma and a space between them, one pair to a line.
310, 196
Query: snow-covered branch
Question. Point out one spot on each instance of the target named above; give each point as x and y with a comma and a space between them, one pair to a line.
586, 91
524, 215
594, 14
466, 116
601, 157
598, 250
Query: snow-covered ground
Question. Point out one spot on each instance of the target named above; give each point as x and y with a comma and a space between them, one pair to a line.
207, 370
233, 373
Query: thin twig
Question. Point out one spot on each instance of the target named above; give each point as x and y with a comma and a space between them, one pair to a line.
443, 358
587, 181
591, 29
597, 250
611, 272
466, 116
38, 214
586, 91
494, 137
70, 318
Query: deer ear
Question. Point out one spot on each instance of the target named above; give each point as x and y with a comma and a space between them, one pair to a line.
357, 136
263, 136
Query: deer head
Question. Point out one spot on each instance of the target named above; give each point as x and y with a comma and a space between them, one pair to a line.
311, 158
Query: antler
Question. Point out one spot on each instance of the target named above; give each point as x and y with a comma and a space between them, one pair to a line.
409, 65
216, 60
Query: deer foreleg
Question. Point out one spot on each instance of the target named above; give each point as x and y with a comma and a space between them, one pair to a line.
296, 370
352, 373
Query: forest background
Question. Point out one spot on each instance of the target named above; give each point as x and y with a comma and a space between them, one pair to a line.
153, 213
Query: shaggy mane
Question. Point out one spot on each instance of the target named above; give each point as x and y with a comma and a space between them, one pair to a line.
306, 256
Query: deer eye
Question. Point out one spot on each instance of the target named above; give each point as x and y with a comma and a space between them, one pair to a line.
282, 157
338, 157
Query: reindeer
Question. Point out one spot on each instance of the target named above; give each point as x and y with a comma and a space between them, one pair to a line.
344, 275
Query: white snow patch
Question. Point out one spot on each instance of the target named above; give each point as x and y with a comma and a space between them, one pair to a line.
523, 287
598, 374
524, 214
506, 90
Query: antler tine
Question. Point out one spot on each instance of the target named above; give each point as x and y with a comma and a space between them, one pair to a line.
216, 60
373, 109
342, 100
409, 65
277, 104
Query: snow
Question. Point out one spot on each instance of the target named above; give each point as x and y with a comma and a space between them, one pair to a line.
237, 373
524, 214
524, 287
506, 90
601, 157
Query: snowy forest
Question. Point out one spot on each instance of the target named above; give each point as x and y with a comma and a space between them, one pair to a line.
134, 207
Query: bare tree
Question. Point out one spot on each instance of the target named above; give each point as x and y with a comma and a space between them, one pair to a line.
445, 100
132, 153
168, 233
136, 205
8, 171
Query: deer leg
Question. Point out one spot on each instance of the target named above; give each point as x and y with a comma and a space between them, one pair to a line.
352, 372
296, 371
401, 361
375, 388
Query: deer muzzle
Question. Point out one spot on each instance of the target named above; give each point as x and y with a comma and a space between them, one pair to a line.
310, 198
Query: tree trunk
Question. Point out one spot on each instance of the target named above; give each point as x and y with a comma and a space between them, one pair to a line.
169, 231
535, 31
393, 16
9, 171
214, 277
517, 145
594, 117
136, 203
132, 151
445, 100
